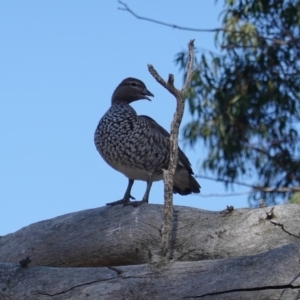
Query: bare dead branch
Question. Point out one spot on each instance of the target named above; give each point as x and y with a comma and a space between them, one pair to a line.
279, 190
72, 264
227, 181
255, 188
169, 85
169, 174
224, 194
125, 7
274, 41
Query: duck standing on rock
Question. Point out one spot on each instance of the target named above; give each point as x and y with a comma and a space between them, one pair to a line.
137, 146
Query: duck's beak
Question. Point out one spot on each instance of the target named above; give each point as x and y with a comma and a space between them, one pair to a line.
147, 93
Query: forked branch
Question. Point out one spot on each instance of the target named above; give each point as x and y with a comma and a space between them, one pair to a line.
169, 173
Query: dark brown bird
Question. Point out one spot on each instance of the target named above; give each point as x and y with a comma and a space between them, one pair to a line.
137, 146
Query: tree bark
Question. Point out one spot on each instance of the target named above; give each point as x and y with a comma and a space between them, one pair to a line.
240, 254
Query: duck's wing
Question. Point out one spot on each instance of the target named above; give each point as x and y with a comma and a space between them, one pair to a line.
182, 159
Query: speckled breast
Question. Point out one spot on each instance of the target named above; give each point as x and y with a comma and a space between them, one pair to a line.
125, 141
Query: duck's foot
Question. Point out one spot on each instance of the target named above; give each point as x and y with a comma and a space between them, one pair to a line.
127, 202
135, 203
122, 201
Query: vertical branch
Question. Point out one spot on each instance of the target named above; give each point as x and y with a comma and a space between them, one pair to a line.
190, 67
169, 173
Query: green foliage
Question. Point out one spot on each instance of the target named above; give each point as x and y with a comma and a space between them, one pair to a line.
245, 101
295, 198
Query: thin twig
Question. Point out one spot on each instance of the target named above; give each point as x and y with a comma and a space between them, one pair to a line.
125, 7
174, 26
223, 195
255, 188
169, 173
227, 181
279, 190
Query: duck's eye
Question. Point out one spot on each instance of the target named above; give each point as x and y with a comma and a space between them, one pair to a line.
133, 84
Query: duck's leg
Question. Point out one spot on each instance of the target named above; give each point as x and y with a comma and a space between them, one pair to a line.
145, 198
127, 196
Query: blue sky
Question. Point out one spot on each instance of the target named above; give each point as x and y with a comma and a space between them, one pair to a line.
60, 62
